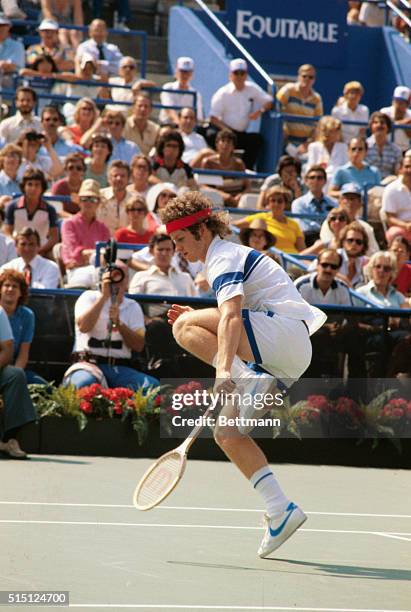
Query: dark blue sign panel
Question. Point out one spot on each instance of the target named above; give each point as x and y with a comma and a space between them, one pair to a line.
294, 32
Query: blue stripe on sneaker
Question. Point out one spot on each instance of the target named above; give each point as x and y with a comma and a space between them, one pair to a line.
250, 335
262, 478
275, 532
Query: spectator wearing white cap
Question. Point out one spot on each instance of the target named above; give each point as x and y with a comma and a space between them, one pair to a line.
11, 53
106, 54
234, 105
65, 12
400, 113
49, 44
184, 74
350, 201
86, 70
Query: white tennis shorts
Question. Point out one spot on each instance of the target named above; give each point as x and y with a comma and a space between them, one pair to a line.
281, 346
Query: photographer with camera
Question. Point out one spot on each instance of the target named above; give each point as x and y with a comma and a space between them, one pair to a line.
109, 326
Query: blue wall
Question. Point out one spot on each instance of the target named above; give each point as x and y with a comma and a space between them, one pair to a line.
378, 57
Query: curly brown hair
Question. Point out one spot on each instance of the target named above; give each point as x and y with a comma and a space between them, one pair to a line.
190, 203
16, 277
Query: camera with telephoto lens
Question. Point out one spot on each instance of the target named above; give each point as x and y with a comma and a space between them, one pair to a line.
110, 257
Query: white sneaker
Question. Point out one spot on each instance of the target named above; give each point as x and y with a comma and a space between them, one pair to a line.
280, 528
250, 385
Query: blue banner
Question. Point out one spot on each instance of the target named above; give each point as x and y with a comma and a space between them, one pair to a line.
295, 32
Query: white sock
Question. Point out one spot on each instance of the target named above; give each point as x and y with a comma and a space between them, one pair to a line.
265, 483
238, 368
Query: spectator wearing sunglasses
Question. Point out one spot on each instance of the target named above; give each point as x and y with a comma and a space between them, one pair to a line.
112, 123
300, 99
74, 171
336, 220
350, 200
353, 245
337, 335
381, 272
135, 231
356, 170
51, 121
80, 234
322, 286
127, 76
314, 202
234, 105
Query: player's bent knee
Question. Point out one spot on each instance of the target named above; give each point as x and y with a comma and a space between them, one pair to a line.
180, 327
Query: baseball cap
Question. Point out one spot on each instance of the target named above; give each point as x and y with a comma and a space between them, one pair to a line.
87, 57
48, 24
185, 63
401, 93
351, 188
4, 20
238, 64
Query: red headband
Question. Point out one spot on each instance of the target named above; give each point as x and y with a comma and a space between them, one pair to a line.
184, 222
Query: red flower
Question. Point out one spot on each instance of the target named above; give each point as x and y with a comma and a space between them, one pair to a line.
86, 407
320, 402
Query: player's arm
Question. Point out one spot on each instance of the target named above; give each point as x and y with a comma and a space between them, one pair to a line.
228, 335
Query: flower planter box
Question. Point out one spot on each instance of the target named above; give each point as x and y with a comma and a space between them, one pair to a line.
29, 438
111, 437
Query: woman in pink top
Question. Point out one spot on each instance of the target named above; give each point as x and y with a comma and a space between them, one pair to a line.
80, 234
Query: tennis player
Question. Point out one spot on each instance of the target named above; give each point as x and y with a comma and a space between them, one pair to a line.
261, 319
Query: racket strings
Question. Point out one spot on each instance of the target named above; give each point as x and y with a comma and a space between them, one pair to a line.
159, 481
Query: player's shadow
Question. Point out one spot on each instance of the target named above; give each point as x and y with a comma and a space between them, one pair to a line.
345, 571
332, 569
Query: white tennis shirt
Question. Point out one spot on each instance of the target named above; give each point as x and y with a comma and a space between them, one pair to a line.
232, 269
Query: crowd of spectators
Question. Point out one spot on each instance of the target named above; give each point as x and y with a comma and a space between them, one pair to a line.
111, 168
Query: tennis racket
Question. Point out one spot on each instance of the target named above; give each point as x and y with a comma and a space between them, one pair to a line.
163, 476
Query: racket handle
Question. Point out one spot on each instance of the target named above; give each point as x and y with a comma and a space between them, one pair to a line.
195, 432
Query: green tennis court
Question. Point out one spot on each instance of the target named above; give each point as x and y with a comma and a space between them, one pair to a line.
67, 523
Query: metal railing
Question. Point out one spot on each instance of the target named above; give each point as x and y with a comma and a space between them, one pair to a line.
270, 83
138, 33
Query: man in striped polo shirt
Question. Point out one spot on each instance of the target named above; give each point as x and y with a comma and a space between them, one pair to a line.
300, 99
